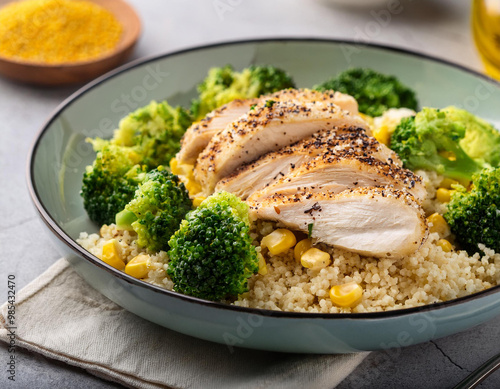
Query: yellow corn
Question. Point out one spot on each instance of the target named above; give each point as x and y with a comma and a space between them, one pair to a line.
346, 295
383, 134
445, 245
439, 225
193, 187
366, 118
186, 169
174, 166
198, 200
444, 195
139, 266
315, 259
300, 248
262, 265
183, 169
279, 241
447, 183
448, 155
111, 254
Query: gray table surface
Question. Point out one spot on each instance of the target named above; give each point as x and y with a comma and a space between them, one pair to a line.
439, 28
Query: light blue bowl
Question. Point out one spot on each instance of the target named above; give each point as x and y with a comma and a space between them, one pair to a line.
59, 156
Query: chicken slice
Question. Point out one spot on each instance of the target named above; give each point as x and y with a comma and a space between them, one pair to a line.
268, 127
272, 166
346, 102
199, 134
341, 171
369, 221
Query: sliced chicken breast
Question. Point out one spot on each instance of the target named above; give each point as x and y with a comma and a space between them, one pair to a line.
268, 127
341, 171
272, 166
298, 96
369, 221
199, 134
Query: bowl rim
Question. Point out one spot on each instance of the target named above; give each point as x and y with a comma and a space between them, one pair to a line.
81, 252
122, 46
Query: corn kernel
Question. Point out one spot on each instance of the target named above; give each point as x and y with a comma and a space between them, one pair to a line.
262, 265
439, 225
346, 295
186, 169
111, 254
315, 259
139, 266
300, 248
366, 118
444, 195
183, 169
450, 155
198, 200
279, 241
174, 166
382, 134
445, 245
190, 173
193, 187
448, 183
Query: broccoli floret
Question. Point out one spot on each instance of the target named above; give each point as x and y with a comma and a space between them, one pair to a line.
432, 140
268, 79
375, 92
474, 217
159, 204
154, 131
110, 183
149, 137
223, 85
211, 255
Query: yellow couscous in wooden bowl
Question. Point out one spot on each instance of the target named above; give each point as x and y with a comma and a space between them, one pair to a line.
59, 42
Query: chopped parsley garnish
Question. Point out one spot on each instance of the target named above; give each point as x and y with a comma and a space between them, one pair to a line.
310, 230
270, 103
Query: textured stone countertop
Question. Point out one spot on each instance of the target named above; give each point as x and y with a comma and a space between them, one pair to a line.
438, 28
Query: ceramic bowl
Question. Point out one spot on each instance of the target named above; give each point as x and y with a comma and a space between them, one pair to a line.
81, 71
60, 154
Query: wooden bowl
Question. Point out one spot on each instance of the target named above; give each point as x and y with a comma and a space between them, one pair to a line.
82, 71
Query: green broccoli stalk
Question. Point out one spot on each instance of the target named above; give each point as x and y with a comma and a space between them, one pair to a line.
223, 85
159, 204
110, 183
432, 140
375, 92
474, 217
211, 255
154, 131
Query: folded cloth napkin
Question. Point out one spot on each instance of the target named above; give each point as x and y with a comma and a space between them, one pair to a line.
59, 316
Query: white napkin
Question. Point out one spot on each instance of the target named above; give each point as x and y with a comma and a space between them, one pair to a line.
59, 316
